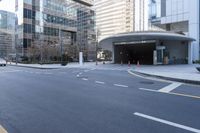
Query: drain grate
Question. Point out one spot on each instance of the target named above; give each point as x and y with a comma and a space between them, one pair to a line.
147, 82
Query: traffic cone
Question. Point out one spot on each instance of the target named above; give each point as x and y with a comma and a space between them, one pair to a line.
138, 63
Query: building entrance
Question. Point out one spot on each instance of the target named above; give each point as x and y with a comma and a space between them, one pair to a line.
133, 53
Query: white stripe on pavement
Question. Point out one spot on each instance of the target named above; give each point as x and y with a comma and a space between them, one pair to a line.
99, 82
148, 89
171, 93
119, 85
170, 87
167, 122
2, 130
84, 79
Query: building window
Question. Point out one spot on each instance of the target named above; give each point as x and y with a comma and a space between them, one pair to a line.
27, 13
27, 43
27, 28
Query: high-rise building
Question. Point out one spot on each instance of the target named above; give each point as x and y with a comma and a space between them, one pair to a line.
119, 16
47, 29
7, 34
180, 16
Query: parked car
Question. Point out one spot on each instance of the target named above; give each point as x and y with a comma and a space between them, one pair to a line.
2, 62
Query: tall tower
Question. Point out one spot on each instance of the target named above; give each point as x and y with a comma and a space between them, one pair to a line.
119, 16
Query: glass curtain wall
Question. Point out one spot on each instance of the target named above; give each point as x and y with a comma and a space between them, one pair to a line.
52, 28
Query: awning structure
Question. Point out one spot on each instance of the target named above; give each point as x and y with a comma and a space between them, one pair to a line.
149, 47
147, 36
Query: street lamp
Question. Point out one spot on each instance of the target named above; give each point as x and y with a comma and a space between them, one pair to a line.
97, 41
41, 48
61, 47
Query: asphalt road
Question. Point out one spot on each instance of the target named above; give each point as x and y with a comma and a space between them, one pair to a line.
74, 100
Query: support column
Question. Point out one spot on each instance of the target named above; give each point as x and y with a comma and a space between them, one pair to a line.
190, 52
113, 53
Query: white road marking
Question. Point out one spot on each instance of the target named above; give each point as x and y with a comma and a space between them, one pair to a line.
148, 90
49, 73
99, 82
84, 79
119, 85
167, 122
2, 130
171, 93
170, 87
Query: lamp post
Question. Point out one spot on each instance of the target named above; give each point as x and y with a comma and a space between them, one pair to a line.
41, 48
97, 42
61, 47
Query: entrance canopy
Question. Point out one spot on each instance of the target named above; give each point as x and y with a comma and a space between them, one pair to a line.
146, 36
150, 47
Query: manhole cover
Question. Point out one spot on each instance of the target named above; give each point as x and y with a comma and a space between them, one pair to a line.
147, 82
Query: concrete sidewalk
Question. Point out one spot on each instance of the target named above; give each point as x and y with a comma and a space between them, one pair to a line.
69, 65
179, 73
37, 66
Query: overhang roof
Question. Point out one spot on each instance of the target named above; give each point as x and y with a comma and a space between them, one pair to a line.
148, 35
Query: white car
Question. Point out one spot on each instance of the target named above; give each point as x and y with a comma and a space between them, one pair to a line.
2, 62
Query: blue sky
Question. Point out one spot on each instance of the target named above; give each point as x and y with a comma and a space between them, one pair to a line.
7, 5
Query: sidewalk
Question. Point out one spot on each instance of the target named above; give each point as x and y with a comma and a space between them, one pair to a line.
179, 73
37, 66
58, 66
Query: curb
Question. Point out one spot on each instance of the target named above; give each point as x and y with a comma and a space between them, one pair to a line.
32, 67
168, 78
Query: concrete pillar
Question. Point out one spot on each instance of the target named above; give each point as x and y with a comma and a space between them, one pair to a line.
190, 52
80, 58
154, 57
194, 27
113, 53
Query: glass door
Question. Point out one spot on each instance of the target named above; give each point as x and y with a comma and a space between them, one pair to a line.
159, 56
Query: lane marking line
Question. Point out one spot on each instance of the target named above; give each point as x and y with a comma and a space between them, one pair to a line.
171, 93
84, 79
170, 87
99, 82
49, 73
2, 130
119, 85
167, 122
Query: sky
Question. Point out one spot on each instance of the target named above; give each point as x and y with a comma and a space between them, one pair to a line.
7, 5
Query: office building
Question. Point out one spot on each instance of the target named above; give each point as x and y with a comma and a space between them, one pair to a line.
47, 29
7, 34
173, 36
119, 16
181, 16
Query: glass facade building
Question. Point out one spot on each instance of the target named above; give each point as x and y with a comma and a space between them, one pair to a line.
7, 34
46, 29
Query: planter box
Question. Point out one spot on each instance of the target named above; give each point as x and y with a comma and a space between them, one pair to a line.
198, 68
